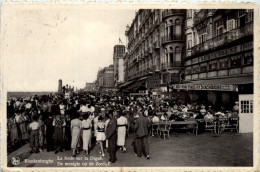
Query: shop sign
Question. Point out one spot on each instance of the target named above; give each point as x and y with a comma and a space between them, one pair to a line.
218, 87
220, 53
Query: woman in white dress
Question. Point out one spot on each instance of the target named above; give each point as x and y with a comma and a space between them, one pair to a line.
101, 134
75, 133
86, 136
121, 131
106, 124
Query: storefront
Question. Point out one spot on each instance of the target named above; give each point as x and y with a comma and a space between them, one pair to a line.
220, 92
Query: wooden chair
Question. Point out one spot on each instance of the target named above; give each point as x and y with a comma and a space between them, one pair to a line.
232, 124
210, 125
164, 129
155, 129
222, 124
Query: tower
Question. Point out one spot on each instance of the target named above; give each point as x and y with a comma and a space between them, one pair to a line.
60, 86
118, 61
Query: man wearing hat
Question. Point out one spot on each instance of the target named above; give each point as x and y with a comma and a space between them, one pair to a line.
111, 135
236, 109
141, 127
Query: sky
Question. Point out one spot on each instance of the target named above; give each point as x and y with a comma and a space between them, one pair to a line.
42, 45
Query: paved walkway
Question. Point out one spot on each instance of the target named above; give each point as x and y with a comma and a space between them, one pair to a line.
207, 149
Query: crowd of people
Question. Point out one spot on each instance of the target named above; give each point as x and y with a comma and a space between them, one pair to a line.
56, 123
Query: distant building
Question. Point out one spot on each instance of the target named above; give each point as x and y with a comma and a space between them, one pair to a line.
118, 59
90, 86
105, 79
60, 86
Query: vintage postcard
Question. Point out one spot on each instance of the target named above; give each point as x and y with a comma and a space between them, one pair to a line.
129, 86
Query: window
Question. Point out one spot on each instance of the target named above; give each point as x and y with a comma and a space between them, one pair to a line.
177, 54
246, 106
231, 24
177, 27
195, 69
248, 58
235, 61
219, 25
213, 65
203, 67
189, 41
188, 70
202, 34
189, 14
223, 63
250, 16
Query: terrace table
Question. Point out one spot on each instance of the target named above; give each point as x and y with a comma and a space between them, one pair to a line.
194, 123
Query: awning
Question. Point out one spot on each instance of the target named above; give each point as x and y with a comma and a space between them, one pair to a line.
136, 85
217, 84
125, 84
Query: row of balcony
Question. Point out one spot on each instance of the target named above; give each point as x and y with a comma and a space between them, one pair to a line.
149, 70
224, 38
167, 13
142, 72
140, 38
169, 38
169, 65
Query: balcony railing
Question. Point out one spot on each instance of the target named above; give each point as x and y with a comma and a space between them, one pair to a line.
166, 65
170, 38
202, 14
224, 38
167, 13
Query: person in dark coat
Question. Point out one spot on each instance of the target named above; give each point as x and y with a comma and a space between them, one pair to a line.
141, 129
111, 135
67, 136
49, 133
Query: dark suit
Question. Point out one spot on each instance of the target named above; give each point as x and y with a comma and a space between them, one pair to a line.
49, 133
141, 142
111, 135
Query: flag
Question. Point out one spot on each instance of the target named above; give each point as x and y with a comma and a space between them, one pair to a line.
120, 42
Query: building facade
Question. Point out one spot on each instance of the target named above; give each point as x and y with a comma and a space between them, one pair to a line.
155, 49
118, 60
90, 86
219, 55
105, 79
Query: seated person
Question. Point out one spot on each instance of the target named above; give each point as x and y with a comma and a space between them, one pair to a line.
184, 108
209, 117
169, 112
155, 119
163, 117
173, 117
199, 116
179, 117
191, 117
203, 110
228, 114
210, 110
